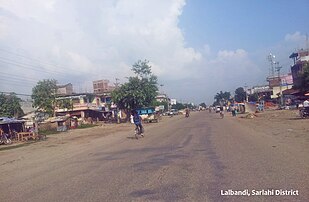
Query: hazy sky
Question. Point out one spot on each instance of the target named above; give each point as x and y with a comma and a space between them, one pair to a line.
195, 47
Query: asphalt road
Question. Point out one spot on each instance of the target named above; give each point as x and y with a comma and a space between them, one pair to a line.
199, 158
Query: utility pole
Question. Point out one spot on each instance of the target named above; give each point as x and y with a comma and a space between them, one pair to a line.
271, 59
117, 83
278, 68
246, 89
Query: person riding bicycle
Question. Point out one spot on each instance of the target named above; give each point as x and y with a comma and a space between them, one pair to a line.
137, 119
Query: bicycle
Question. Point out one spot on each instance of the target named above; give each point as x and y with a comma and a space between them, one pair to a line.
138, 132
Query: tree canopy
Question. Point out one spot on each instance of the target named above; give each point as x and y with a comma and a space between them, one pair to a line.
203, 105
221, 98
44, 95
240, 94
10, 105
139, 91
178, 106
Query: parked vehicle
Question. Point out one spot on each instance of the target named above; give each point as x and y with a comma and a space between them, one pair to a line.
174, 111
148, 114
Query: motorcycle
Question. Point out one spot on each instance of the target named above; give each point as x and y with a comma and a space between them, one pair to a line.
187, 115
304, 112
4, 139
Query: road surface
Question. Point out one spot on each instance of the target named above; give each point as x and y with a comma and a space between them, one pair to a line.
200, 158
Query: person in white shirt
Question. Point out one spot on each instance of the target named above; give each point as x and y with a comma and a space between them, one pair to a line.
306, 103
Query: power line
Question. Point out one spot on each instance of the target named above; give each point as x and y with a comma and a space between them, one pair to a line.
27, 66
42, 63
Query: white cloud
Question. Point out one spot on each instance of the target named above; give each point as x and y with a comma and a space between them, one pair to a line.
106, 36
295, 37
102, 39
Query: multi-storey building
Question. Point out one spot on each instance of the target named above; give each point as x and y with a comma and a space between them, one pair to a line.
300, 58
102, 86
66, 89
86, 105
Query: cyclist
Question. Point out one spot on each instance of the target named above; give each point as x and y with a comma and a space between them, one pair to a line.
137, 119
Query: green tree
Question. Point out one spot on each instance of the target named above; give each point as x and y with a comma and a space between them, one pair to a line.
253, 98
222, 98
44, 95
10, 106
240, 94
139, 91
178, 106
203, 105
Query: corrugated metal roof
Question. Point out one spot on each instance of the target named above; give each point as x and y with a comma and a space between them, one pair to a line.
7, 120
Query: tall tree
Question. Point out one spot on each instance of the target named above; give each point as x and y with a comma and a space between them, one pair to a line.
44, 95
178, 106
10, 105
221, 98
203, 105
253, 98
240, 94
139, 91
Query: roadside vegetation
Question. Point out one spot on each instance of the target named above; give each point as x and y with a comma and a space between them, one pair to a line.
139, 91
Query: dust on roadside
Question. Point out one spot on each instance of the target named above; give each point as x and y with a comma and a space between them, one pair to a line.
284, 124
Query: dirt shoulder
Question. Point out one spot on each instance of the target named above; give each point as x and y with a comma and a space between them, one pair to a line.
284, 125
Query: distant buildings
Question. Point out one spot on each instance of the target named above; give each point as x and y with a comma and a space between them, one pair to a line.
173, 101
102, 86
263, 91
285, 82
162, 98
66, 89
94, 105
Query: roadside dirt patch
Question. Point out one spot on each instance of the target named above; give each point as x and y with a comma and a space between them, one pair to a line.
76, 136
285, 124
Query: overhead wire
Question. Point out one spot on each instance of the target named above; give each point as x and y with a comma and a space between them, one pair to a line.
60, 69
38, 65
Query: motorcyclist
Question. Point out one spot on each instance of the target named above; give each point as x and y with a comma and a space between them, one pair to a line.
187, 112
221, 111
137, 119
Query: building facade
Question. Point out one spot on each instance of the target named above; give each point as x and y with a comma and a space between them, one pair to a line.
66, 89
102, 86
300, 58
87, 105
